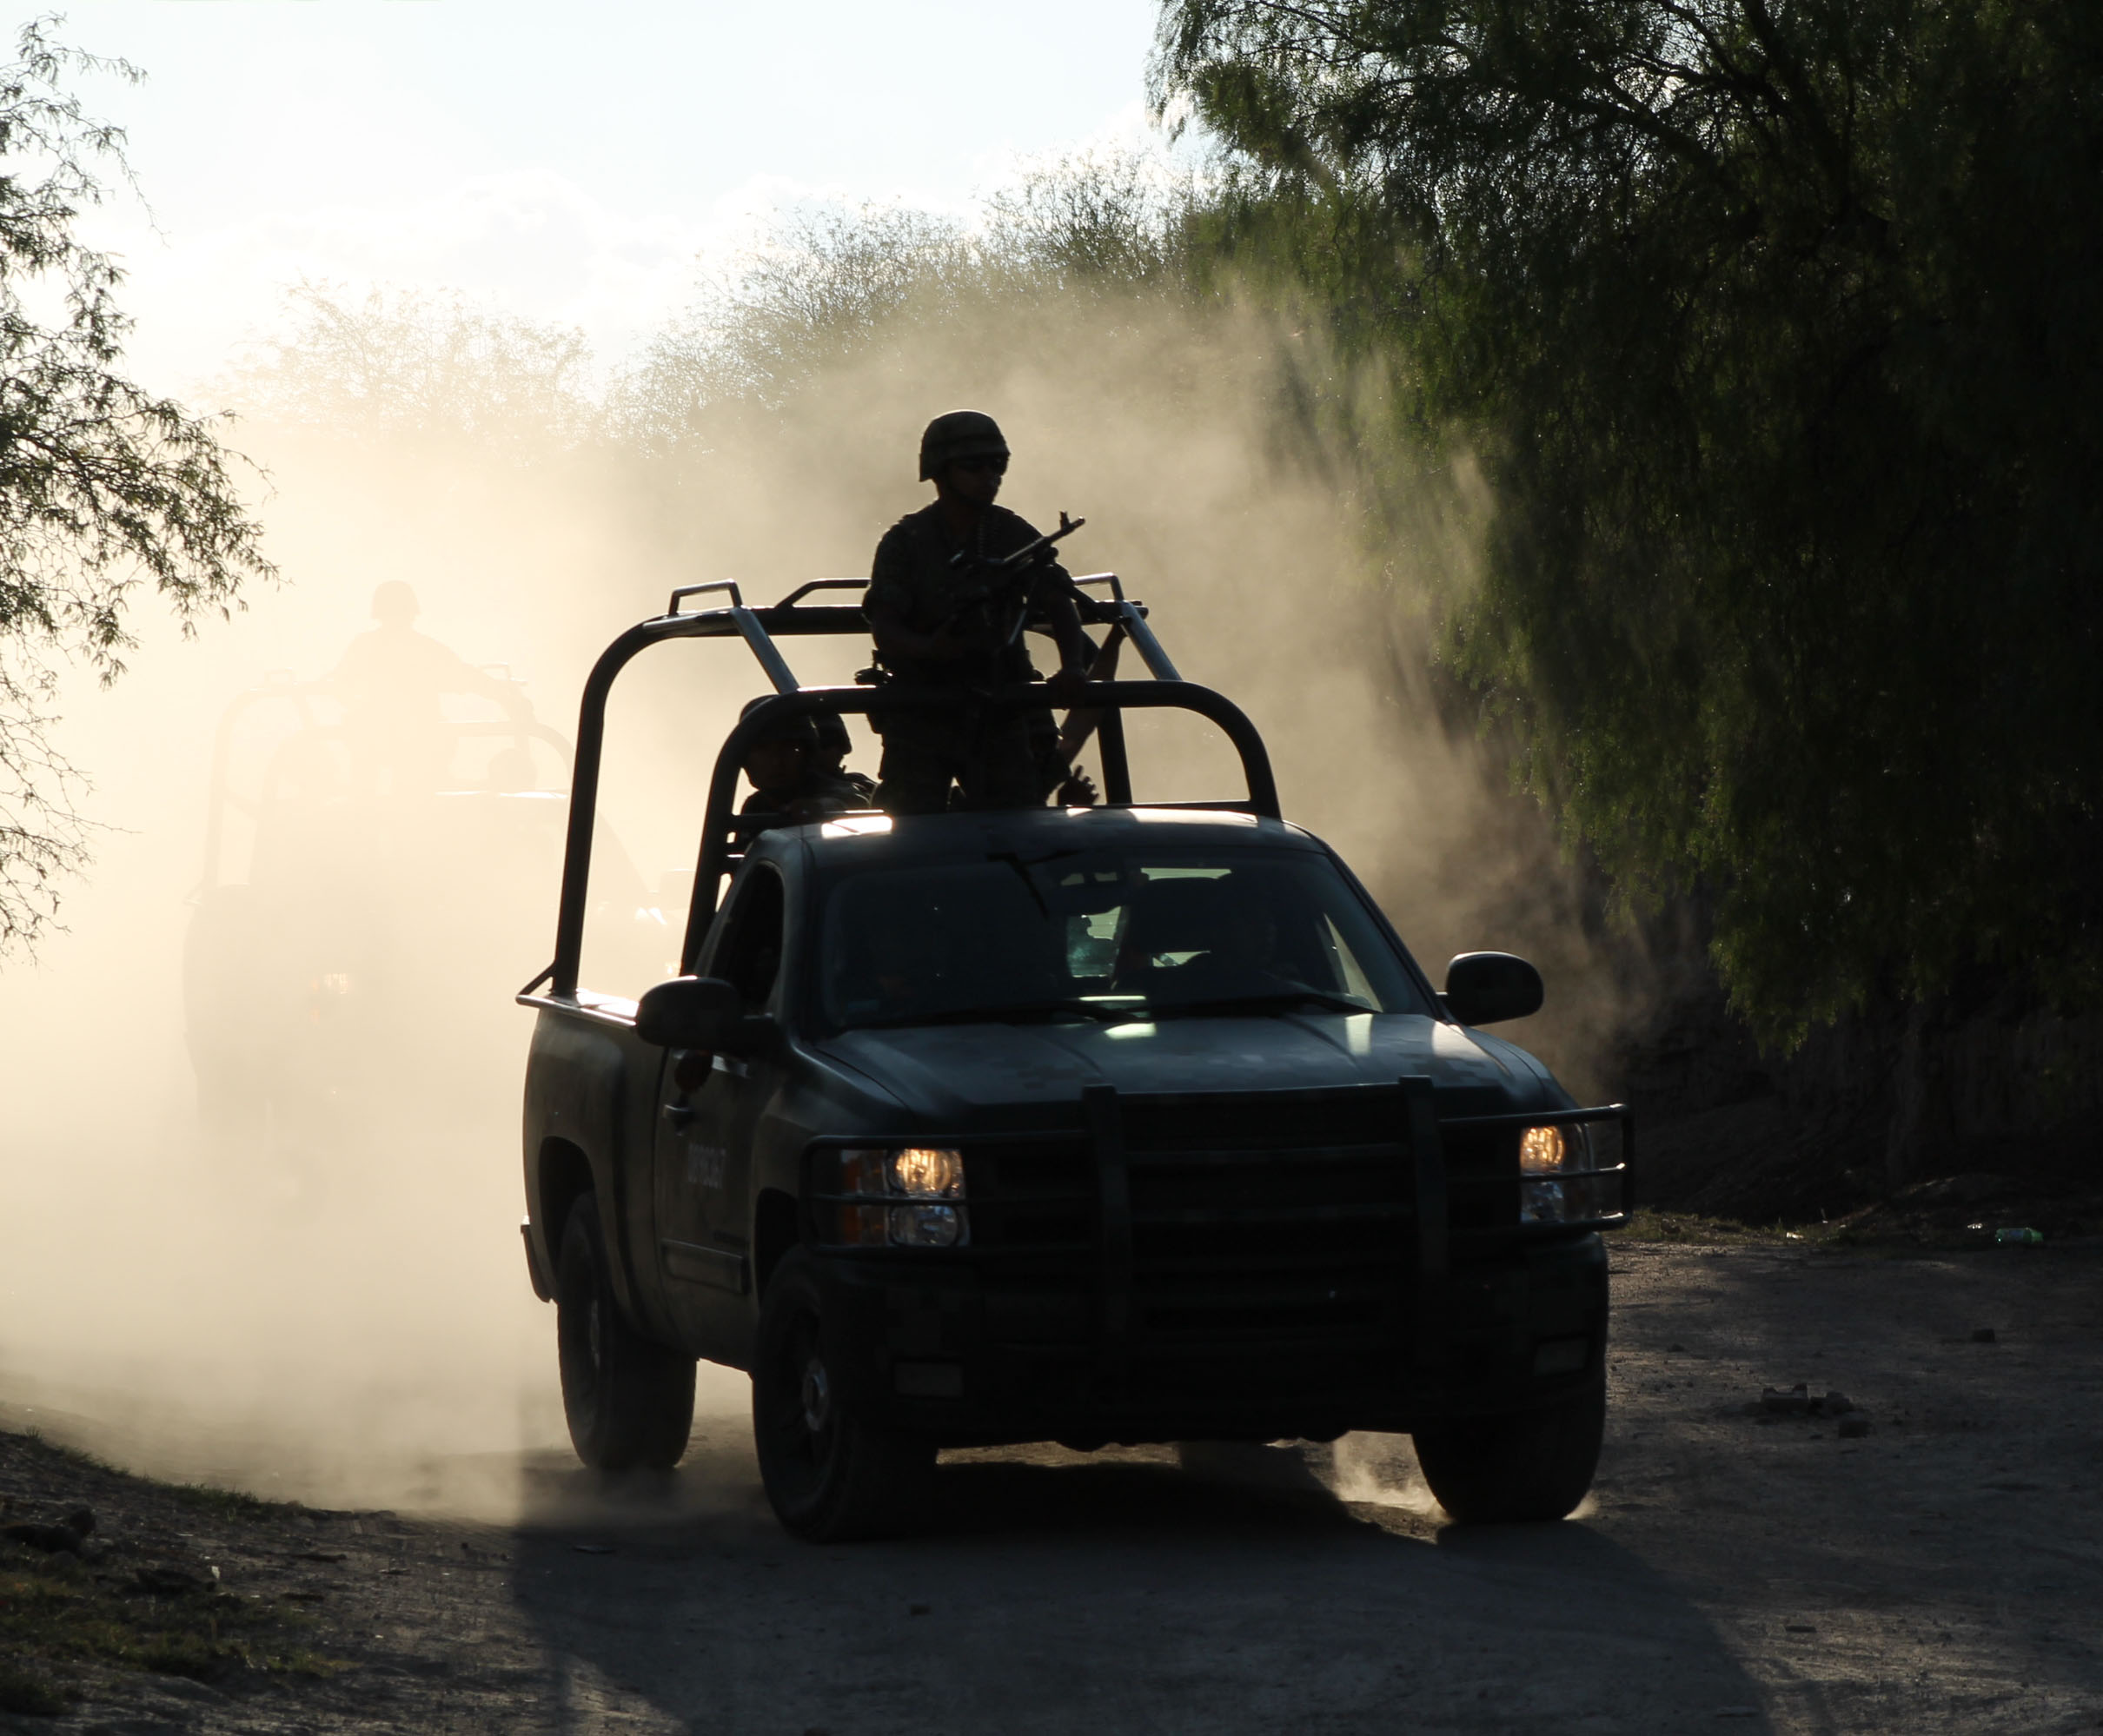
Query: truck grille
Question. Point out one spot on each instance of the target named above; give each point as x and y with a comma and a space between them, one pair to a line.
1272, 1242
1268, 1220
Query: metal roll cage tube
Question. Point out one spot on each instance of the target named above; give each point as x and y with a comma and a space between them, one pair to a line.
1110, 696
758, 628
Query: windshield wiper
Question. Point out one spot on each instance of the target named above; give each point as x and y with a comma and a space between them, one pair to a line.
1282, 1000
1019, 1013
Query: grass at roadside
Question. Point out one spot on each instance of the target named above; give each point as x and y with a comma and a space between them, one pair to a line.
124, 1593
1672, 1227
57, 1610
227, 1503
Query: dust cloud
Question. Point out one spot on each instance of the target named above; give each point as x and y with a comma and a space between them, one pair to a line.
311, 1285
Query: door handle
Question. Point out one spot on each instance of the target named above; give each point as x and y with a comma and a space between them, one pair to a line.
678, 1114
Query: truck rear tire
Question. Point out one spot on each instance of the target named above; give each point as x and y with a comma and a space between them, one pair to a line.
1505, 1470
832, 1475
629, 1401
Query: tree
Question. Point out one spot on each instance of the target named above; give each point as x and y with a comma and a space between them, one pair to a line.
1777, 327
410, 366
821, 286
829, 283
104, 486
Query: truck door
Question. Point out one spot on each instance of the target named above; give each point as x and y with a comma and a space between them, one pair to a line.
708, 1106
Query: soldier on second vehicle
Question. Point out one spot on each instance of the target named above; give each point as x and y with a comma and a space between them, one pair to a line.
791, 778
935, 627
392, 680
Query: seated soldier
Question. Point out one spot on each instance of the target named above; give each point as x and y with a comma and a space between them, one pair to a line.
791, 783
934, 628
835, 745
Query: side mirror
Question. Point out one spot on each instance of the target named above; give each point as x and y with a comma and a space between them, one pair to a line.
691, 1012
1482, 988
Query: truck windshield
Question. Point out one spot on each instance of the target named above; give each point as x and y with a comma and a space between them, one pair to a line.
1111, 936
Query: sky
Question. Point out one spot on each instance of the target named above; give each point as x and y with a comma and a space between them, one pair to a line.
569, 164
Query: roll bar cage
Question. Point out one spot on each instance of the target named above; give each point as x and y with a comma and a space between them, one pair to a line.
1098, 711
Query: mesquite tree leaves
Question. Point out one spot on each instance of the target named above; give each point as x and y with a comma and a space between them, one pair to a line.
104, 487
1777, 327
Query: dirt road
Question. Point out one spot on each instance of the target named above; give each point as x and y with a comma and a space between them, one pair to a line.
1944, 1573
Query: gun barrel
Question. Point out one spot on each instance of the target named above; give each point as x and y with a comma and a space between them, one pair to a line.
1028, 553
1066, 528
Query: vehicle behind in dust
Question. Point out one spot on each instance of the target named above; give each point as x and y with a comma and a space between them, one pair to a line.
346, 944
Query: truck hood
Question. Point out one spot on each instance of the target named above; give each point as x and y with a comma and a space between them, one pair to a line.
947, 1072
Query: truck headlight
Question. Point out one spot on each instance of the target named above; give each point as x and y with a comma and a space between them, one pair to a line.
927, 1172
917, 1185
1577, 1196
1542, 1150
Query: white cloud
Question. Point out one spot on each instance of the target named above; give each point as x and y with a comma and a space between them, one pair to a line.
385, 150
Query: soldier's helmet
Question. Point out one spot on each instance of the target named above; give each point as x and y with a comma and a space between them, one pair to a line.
801, 730
833, 738
958, 433
395, 604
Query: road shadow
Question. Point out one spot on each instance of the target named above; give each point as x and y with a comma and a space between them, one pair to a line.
1224, 1589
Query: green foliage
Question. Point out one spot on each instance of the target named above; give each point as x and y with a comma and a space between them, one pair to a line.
1776, 330
104, 486
823, 285
830, 284
56, 1614
22, 1691
1700, 1229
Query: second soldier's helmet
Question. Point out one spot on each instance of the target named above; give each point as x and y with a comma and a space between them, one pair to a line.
395, 604
802, 730
958, 433
833, 738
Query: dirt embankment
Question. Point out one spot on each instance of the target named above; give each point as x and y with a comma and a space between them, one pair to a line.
1900, 1125
133, 1606
1937, 1573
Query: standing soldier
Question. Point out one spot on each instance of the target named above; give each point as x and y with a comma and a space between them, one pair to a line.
392, 680
934, 627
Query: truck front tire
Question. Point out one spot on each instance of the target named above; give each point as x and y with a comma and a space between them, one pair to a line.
831, 1475
629, 1401
1504, 1470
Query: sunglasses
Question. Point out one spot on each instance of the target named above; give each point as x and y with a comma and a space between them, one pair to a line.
997, 465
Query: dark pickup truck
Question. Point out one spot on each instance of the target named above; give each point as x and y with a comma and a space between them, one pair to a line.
1093, 1125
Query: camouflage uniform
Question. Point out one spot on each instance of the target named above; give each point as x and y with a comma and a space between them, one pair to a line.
817, 791
812, 797
993, 757
835, 745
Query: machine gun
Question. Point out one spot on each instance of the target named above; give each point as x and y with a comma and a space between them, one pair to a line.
1007, 581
